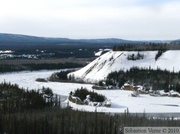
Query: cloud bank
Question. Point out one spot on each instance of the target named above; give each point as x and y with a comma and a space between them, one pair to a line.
127, 19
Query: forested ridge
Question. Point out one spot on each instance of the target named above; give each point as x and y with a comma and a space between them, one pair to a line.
146, 47
67, 121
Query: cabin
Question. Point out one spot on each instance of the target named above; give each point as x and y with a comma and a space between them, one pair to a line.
128, 87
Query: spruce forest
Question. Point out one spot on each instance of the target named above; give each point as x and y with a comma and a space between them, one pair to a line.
157, 79
35, 112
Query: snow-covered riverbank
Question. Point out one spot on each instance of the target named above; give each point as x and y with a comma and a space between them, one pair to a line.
121, 100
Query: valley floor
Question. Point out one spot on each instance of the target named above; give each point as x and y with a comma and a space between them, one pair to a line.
120, 100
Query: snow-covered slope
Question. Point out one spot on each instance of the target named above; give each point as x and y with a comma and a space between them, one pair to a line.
114, 61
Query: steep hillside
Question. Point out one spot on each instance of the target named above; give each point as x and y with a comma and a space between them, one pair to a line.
114, 61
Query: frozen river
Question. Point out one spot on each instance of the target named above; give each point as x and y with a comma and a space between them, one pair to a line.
120, 100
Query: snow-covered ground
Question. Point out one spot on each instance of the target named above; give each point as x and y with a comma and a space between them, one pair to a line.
120, 100
117, 60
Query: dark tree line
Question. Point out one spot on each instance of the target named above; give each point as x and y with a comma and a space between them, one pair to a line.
61, 76
67, 121
144, 47
31, 67
158, 79
15, 99
160, 52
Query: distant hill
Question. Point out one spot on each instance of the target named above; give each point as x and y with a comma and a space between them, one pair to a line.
13, 39
24, 40
17, 38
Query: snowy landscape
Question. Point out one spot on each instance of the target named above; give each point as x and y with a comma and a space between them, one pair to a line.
117, 60
89, 67
121, 100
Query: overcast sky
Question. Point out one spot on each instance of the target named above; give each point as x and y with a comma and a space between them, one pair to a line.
125, 19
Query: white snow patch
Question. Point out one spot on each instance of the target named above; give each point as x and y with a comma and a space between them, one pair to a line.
6, 52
